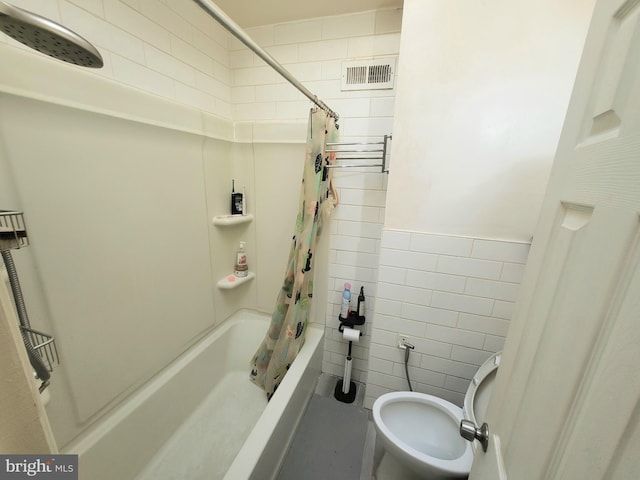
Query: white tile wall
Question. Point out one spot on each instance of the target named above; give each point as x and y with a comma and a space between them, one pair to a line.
175, 50
356, 230
453, 296
313, 51
171, 49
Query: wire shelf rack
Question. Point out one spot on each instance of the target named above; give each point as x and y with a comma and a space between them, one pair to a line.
45, 345
41, 347
13, 233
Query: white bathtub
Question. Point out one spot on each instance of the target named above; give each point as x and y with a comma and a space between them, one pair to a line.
182, 423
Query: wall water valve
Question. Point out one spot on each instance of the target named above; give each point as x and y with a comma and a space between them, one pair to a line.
404, 342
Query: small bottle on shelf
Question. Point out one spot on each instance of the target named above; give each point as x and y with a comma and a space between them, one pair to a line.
241, 268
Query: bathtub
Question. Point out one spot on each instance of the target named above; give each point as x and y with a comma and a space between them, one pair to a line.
201, 417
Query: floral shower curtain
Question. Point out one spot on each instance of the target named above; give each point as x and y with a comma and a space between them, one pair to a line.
289, 319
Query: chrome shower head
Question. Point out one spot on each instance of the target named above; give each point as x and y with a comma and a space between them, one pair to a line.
48, 37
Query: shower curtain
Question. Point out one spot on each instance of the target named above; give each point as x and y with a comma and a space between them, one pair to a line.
289, 319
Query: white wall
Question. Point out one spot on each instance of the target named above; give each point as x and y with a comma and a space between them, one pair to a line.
483, 88
453, 297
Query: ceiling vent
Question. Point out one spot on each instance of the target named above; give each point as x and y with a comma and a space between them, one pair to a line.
378, 74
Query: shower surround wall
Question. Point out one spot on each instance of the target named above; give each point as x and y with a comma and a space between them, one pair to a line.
120, 251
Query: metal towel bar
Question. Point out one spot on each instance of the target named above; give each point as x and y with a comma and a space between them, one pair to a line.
361, 151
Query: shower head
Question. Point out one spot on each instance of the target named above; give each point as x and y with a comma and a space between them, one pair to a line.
48, 37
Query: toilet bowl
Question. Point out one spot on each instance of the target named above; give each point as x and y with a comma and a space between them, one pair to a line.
422, 431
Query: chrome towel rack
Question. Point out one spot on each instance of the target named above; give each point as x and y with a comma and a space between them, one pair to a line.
362, 151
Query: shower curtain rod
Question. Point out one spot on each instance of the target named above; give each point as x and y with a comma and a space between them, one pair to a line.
223, 19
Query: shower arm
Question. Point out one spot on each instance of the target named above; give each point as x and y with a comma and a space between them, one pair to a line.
223, 19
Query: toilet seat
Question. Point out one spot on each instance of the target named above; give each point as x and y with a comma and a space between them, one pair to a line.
476, 400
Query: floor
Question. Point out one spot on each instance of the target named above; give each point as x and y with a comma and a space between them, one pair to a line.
337, 441
334, 440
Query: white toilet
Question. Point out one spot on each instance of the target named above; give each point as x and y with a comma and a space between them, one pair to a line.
422, 432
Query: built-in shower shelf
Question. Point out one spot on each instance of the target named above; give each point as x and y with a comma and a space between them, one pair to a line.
229, 220
231, 281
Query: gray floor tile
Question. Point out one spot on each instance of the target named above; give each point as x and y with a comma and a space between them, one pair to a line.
329, 442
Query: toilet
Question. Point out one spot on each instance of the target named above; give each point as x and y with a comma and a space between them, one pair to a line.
422, 432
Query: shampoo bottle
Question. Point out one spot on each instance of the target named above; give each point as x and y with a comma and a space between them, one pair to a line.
241, 268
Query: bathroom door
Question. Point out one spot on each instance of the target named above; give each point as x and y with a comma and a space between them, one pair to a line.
566, 402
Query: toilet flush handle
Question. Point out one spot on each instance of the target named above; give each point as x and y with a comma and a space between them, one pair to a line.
470, 432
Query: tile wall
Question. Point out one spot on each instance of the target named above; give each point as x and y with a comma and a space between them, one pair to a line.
453, 297
170, 48
313, 51
356, 230
173, 49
